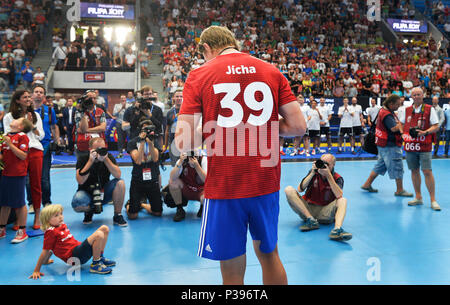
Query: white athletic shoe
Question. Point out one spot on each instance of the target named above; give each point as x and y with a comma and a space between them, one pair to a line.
435, 206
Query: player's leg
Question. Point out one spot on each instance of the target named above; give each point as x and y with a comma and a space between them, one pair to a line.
233, 270
272, 269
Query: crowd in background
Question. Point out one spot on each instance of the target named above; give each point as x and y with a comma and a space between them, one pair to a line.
326, 48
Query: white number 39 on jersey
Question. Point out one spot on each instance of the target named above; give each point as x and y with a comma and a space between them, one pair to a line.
232, 90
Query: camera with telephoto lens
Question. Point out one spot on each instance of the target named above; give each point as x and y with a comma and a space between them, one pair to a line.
414, 132
96, 198
86, 103
102, 151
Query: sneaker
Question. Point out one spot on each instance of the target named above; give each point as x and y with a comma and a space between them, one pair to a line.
313, 152
310, 224
435, 206
282, 153
339, 151
415, 202
120, 221
302, 152
295, 152
100, 268
88, 218
307, 154
21, 236
180, 215
107, 262
2, 233
321, 151
31, 210
200, 211
340, 235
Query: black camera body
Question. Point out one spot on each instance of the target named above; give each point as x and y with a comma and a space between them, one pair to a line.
86, 103
414, 132
146, 103
190, 154
149, 131
96, 198
320, 164
102, 151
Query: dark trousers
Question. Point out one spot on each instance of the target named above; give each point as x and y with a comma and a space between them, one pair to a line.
447, 140
70, 137
46, 187
121, 137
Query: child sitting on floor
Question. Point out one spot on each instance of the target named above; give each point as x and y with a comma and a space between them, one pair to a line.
59, 241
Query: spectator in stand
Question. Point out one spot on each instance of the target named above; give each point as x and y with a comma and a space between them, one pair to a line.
117, 61
38, 77
60, 54
149, 43
143, 59
4, 77
27, 75
19, 55
130, 60
72, 61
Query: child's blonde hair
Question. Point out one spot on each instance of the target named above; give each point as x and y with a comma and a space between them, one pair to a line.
47, 213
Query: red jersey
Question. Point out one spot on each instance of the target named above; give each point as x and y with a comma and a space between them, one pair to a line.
15, 167
239, 97
60, 241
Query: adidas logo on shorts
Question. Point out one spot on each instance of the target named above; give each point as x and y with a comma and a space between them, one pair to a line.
208, 248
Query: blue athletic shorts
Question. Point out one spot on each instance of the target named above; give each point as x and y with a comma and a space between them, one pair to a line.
225, 223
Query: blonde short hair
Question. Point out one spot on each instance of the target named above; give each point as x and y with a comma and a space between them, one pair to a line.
47, 213
217, 37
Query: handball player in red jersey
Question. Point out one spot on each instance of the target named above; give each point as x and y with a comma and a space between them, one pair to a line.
239, 99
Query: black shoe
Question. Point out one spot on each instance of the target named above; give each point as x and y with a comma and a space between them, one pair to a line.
200, 211
120, 221
88, 218
180, 215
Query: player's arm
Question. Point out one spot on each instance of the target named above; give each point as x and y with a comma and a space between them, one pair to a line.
292, 123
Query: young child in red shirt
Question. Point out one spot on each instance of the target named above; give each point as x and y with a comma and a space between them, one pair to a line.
14, 152
59, 241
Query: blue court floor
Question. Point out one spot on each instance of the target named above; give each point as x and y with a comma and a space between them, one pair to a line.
392, 243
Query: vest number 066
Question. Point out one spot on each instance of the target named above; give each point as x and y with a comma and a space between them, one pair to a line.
412, 146
232, 90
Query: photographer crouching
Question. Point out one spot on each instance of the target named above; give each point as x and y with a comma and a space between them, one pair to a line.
90, 123
187, 181
323, 202
94, 185
145, 173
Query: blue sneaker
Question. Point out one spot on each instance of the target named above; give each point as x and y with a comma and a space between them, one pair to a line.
107, 262
310, 224
100, 268
340, 235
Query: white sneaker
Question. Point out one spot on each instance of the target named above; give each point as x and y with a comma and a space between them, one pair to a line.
321, 151
21, 236
295, 152
313, 152
31, 210
302, 152
435, 206
308, 155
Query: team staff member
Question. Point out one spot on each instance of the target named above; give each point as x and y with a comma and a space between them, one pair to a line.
326, 113
424, 119
346, 114
388, 138
231, 203
358, 124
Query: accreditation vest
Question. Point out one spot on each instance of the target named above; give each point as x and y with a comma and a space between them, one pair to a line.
381, 132
319, 190
420, 120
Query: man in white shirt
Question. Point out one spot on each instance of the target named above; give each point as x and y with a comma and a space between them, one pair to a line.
60, 54
130, 60
297, 140
38, 77
19, 54
358, 124
345, 113
149, 42
326, 112
313, 122
96, 49
372, 112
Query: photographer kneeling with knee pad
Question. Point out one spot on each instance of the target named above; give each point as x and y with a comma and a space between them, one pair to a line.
94, 185
145, 174
323, 201
187, 180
